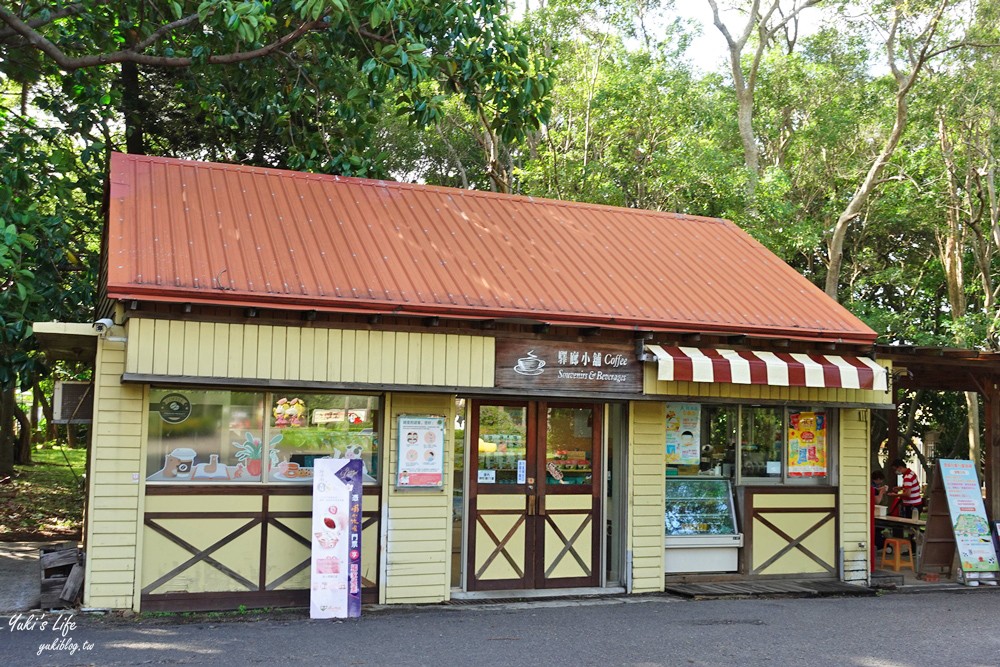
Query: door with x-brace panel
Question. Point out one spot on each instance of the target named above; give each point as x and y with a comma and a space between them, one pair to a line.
534, 495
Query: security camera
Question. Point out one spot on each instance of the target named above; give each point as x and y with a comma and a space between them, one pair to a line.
103, 324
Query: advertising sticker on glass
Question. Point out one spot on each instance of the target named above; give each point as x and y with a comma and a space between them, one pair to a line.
420, 459
807, 444
683, 433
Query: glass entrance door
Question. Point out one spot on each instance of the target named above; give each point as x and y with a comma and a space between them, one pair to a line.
534, 495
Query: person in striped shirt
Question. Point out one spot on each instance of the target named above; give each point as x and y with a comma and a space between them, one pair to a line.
910, 499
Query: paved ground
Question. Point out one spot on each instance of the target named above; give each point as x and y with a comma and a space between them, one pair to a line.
19, 576
895, 630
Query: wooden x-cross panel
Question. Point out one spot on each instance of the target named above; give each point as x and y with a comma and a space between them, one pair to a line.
796, 542
201, 555
369, 519
297, 568
501, 545
567, 547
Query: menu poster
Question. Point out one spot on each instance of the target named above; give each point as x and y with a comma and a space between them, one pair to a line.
420, 459
968, 516
335, 574
807, 444
683, 433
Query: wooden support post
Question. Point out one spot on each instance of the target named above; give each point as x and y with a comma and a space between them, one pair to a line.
991, 444
892, 437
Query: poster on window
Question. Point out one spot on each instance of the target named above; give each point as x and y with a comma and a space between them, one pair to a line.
420, 459
683, 433
968, 516
807, 444
335, 574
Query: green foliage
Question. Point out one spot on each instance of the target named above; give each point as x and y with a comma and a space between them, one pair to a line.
592, 101
47, 500
48, 229
310, 104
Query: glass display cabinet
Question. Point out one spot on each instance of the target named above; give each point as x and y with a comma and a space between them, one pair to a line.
701, 534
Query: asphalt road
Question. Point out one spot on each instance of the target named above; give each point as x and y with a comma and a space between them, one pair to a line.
19, 576
895, 630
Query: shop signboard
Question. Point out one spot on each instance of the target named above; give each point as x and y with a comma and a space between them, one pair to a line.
335, 568
683, 433
567, 366
420, 451
968, 516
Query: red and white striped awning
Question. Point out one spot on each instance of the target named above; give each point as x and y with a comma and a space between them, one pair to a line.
782, 369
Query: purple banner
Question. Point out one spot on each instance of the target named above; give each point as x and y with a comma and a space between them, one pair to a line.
351, 475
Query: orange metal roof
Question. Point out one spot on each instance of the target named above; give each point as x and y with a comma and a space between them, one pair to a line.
197, 232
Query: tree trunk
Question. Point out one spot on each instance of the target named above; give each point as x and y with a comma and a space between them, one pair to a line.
6, 432
36, 436
50, 427
22, 453
135, 141
744, 80
906, 437
951, 249
744, 120
860, 198
975, 446
904, 84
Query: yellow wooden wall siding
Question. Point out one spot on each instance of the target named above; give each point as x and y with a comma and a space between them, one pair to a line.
213, 349
647, 435
762, 392
417, 522
855, 494
795, 515
114, 500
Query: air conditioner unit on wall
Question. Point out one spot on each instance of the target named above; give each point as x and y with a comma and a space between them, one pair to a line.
73, 402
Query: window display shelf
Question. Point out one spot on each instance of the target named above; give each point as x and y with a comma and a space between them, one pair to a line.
699, 506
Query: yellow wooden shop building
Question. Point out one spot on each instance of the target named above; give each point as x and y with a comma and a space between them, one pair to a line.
626, 395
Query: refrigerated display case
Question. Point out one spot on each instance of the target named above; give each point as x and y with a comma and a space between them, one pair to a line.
700, 525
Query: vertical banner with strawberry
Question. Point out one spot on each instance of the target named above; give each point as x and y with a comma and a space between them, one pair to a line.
807, 444
335, 574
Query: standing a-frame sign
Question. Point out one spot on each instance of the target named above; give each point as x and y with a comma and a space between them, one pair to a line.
957, 520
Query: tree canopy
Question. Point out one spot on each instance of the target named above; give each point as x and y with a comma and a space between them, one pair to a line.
857, 140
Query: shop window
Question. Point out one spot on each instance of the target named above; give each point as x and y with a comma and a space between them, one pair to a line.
205, 436
502, 442
776, 444
217, 436
304, 427
761, 442
569, 446
701, 440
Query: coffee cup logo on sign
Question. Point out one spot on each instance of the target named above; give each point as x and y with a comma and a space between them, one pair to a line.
530, 365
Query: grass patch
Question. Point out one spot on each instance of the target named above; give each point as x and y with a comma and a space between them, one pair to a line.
44, 500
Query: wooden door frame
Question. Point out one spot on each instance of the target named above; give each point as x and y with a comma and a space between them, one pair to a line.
596, 490
535, 525
474, 490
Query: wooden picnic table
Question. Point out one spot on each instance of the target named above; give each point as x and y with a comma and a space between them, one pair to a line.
899, 522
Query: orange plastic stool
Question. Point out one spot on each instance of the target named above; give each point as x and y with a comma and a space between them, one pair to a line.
897, 562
